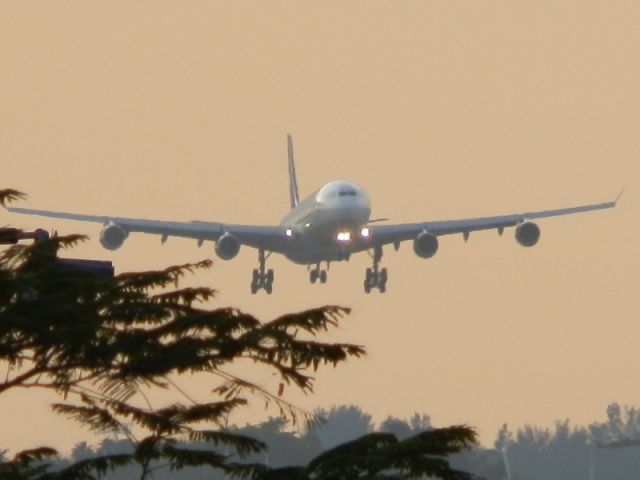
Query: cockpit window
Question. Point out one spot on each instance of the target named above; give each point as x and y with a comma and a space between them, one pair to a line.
347, 192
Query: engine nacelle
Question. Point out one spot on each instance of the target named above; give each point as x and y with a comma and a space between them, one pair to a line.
425, 245
113, 236
227, 246
527, 234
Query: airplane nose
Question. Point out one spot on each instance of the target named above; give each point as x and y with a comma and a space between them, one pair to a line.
360, 212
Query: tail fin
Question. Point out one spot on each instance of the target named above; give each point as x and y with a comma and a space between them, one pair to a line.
293, 183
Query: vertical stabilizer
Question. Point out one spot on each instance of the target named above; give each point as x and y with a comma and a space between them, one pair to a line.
293, 183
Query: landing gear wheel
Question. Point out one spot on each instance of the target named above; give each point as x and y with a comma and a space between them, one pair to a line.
375, 277
261, 278
383, 276
268, 283
382, 280
368, 280
323, 276
368, 275
313, 276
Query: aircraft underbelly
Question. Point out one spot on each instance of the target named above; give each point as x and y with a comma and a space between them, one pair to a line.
306, 254
321, 245
316, 233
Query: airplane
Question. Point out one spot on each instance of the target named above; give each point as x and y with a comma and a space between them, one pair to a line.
328, 226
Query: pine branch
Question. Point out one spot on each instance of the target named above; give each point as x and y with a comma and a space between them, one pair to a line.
8, 195
381, 455
27, 457
85, 469
235, 386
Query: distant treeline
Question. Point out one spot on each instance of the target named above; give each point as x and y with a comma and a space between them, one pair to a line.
601, 450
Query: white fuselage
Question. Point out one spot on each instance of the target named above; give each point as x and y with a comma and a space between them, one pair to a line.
327, 225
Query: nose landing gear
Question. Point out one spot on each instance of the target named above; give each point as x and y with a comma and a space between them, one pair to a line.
262, 278
376, 277
317, 274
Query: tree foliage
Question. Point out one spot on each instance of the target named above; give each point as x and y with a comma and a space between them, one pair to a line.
383, 456
9, 195
28, 464
341, 424
105, 345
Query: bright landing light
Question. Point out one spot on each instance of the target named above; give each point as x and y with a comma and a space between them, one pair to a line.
343, 236
365, 232
288, 232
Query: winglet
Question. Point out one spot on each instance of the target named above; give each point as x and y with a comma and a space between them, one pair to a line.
293, 183
615, 202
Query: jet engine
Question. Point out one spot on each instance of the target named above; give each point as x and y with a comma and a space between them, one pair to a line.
425, 245
527, 234
227, 246
113, 236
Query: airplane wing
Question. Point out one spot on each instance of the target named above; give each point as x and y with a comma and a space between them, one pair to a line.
271, 238
394, 234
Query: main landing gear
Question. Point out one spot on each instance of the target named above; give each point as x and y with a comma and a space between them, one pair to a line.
374, 276
317, 274
262, 279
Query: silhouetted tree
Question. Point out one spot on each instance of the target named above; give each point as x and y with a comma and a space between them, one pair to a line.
622, 425
9, 195
383, 456
285, 446
82, 451
340, 424
27, 465
109, 343
403, 429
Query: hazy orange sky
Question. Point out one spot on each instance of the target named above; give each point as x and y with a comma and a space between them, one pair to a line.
440, 110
